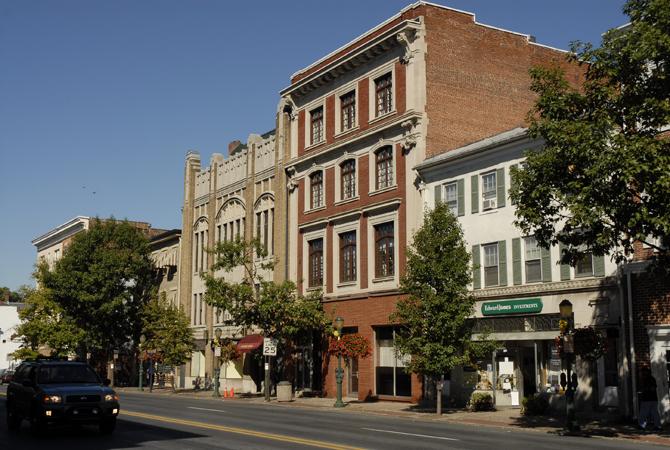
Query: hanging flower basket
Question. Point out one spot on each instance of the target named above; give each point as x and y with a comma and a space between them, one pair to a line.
588, 342
349, 346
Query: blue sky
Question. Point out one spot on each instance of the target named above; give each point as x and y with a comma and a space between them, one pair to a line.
100, 100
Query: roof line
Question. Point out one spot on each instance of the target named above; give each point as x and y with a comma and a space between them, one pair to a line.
59, 228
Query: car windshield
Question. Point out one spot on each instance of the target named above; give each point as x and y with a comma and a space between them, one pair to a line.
66, 374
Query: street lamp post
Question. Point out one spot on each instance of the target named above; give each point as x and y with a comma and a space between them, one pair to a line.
143, 339
570, 382
217, 366
339, 372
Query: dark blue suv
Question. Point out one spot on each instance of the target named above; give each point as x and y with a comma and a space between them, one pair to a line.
48, 391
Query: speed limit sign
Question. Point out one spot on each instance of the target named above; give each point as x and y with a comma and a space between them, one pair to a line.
269, 347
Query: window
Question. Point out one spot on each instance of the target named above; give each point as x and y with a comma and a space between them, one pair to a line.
491, 264
384, 167
196, 248
258, 226
348, 111
390, 374
272, 232
316, 119
348, 179
315, 263
384, 94
451, 197
316, 189
489, 192
265, 230
348, 256
584, 266
533, 260
384, 250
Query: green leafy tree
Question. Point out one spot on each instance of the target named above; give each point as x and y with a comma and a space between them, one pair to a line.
167, 330
275, 309
435, 316
18, 296
602, 180
45, 328
102, 283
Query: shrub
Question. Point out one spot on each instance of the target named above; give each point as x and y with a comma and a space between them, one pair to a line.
480, 401
537, 405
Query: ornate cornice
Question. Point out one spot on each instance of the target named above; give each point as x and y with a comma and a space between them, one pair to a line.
588, 284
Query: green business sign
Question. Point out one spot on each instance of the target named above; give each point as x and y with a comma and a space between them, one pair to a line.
521, 306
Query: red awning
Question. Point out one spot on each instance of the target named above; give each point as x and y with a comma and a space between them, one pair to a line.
249, 343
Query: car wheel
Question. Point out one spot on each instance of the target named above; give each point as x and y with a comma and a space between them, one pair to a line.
107, 426
13, 420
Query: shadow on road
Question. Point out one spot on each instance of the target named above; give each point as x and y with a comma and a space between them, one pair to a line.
128, 435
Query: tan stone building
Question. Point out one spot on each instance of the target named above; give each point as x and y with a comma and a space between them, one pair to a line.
236, 196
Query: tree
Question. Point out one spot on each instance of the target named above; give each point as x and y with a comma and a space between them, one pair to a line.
602, 180
102, 283
167, 330
435, 317
7, 295
276, 309
44, 326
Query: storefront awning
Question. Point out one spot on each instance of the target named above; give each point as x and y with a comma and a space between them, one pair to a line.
249, 343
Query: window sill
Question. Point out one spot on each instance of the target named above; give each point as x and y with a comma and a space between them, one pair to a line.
384, 279
346, 200
316, 144
314, 288
382, 190
382, 117
489, 211
345, 284
585, 275
320, 208
347, 131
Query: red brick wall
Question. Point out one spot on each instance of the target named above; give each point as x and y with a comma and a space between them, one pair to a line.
477, 79
400, 87
651, 306
364, 314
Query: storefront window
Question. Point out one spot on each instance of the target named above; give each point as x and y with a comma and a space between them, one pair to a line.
391, 378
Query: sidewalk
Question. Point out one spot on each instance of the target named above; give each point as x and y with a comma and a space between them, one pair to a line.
510, 419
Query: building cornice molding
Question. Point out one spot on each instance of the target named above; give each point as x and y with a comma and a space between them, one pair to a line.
558, 287
61, 232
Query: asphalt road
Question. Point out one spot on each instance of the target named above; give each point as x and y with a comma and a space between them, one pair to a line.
164, 422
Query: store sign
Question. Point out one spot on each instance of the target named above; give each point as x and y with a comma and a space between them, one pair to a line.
521, 306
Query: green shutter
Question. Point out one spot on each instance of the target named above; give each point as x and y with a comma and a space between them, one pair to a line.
438, 194
460, 184
474, 200
516, 166
546, 265
502, 263
516, 260
500, 184
565, 268
476, 271
598, 266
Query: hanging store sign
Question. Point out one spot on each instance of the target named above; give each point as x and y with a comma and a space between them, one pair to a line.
520, 306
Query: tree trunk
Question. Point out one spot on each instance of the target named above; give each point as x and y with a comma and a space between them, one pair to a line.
440, 386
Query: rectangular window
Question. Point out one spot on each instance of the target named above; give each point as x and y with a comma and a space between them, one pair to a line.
384, 167
348, 179
238, 228
218, 233
315, 263
348, 110
194, 309
258, 226
316, 120
384, 94
272, 231
225, 232
451, 197
384, 250
533, 260
490, 264
348, 256
196, 247
390, 374
584, 266
489, 192
316, 189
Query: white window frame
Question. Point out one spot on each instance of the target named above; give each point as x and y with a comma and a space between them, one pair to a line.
308, 188
306, 238
321, 103
485, 264
386, 282
338, 108
337, 230
527, 259
338, 178
489, 197
372, 167
445, 190
372, 97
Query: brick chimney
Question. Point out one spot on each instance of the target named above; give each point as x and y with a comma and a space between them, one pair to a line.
233, 145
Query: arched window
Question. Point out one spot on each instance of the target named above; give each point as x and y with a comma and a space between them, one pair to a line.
316, 189
384, 167
348, 179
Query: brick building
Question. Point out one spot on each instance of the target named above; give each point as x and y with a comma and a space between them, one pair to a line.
353, 126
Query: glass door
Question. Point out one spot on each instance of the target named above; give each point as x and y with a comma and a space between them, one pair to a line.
352, 379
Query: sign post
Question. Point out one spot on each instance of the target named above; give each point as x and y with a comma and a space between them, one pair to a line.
269, 350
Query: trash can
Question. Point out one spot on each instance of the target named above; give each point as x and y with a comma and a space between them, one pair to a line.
284, 391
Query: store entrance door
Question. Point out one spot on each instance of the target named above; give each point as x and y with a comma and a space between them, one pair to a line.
352, 385
528, 372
